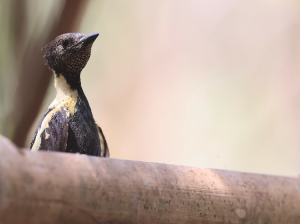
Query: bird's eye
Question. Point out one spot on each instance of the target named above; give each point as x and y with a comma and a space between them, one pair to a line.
65, 43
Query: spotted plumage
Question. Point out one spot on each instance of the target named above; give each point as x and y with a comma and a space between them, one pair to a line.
68, 124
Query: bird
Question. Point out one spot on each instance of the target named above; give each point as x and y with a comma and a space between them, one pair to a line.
68, 124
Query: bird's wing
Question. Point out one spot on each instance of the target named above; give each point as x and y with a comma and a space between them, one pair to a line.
38, 127
52, 132
104, 151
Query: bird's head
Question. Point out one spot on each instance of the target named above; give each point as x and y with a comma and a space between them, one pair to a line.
69, 52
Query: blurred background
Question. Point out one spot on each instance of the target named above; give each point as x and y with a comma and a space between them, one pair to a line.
204, 83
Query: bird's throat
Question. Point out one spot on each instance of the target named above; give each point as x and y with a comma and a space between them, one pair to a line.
65, 95
63, 88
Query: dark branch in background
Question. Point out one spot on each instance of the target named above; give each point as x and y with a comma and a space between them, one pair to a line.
34, 77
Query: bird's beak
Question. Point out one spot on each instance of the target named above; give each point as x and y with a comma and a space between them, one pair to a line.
88, 39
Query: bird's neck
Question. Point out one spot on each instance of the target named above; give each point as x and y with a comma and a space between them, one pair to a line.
63, 86
66, 88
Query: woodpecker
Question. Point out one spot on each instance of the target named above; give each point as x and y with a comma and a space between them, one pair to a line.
68, 124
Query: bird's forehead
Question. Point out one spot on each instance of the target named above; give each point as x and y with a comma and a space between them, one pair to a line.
74, 36
71, 37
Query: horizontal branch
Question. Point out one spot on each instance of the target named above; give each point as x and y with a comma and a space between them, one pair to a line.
47, 187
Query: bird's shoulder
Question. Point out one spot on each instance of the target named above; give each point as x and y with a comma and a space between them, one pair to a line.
52, 131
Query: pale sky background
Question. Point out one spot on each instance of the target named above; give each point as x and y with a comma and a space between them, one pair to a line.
206, 83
